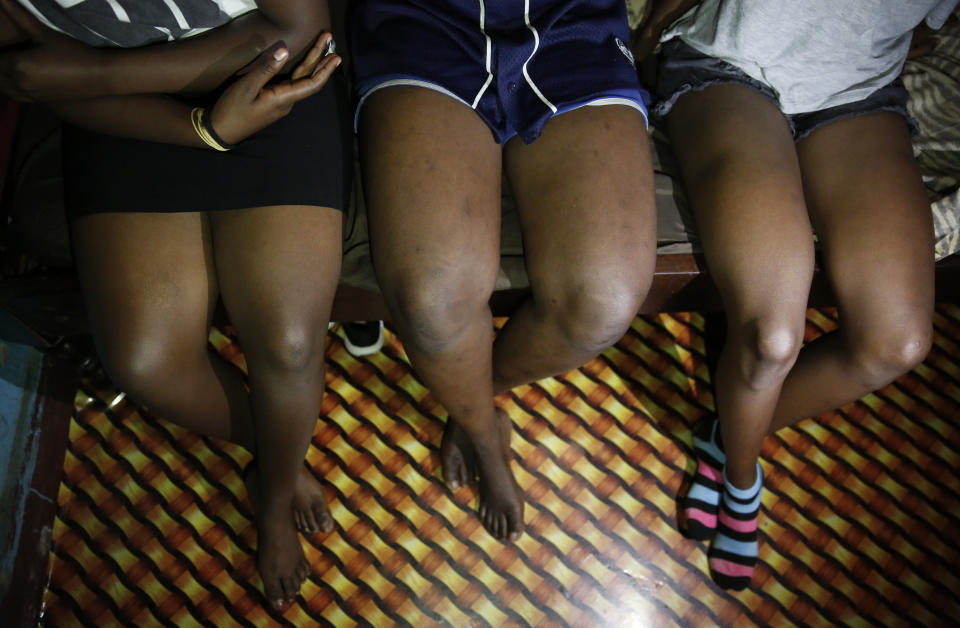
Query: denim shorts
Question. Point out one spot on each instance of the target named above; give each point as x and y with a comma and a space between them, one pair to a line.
684, 69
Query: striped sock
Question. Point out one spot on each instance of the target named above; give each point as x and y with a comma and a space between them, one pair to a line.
699, 506
733, 552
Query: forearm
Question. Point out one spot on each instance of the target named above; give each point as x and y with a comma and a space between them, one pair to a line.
665, 12
659, 15
203, 62
144, 117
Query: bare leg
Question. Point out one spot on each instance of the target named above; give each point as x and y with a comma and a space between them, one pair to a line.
585, 195
150, 295
865, 197
584, 191
278, 269
741, 170
432, 181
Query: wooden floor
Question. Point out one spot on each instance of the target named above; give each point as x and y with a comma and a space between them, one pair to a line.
859, 522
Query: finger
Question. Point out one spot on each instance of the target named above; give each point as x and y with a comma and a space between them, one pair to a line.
286, 94
313, 57
264, 69
24, 20
253, 64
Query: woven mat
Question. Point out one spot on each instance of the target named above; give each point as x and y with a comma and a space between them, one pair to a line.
858, 525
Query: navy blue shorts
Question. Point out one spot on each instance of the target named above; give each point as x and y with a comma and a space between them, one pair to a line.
516, 63
684, 69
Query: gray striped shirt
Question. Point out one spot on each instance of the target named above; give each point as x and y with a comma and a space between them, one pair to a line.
129, 23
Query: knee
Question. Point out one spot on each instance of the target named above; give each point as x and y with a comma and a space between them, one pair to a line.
591, 315
288, 347
771, 346
886, 352
434, 310
143, 367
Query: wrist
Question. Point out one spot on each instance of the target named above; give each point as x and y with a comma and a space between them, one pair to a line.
200, 119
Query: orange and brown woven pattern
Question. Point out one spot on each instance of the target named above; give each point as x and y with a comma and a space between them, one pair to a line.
858, 526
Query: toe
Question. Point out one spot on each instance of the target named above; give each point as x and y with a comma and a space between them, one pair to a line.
275, 595
298, 521
309, 520
324, 519
491, 523
290, 588
514, 527
453, 471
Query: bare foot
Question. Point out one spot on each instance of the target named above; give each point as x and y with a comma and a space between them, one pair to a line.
457, 459
501, 502
280, 559
310, 511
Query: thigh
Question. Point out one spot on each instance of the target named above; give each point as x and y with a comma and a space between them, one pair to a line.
278, 269
148, 279
871, 211
742, 175
584, 192
432, 183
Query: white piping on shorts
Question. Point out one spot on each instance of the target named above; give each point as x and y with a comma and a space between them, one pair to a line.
403, 81
615, 100
536, 45
483, 17
609, 100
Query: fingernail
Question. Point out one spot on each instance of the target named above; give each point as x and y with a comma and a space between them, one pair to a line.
331, 47
280, 54
324, 63
274, 50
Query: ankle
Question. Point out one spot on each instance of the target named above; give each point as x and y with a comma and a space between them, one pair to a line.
741, 478
488, 445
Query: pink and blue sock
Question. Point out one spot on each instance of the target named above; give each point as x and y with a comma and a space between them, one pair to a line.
702, 502
733, 553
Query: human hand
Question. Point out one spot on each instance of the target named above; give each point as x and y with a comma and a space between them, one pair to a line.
923, 41
51, 66
643, 44
253, 102
645, 40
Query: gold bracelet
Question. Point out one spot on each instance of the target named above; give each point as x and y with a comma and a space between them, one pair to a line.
196, 118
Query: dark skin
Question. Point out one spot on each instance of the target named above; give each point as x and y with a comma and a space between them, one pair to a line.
432, 174
756, 195
151, 293
57, 68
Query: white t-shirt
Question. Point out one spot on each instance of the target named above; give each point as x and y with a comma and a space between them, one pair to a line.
813, 53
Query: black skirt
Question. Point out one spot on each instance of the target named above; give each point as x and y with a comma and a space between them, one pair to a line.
305, 158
